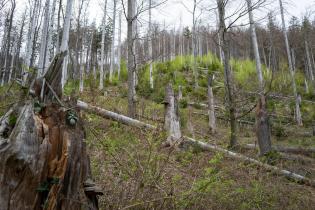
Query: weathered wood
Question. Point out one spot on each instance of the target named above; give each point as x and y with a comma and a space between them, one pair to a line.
43, 162
234, 155
210, 147
293, 150
113, 116
171, 117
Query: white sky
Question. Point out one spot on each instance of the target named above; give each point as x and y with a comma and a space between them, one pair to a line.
174, 11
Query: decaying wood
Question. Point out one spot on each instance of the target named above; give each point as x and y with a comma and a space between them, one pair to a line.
43, 159
113, 116
286, 173
293, 150
209, 147
171, 117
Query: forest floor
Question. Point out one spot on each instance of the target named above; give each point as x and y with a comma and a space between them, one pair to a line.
136, 172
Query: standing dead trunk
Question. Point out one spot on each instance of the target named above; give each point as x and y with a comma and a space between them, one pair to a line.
112, 57
171, 120
231, 105
150, 43
43, 42
262, 121
211, 109
101, 85
298, 116
65, 40
119, 46
131, 59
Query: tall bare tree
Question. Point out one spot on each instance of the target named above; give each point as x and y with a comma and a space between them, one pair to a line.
262, 121
298, 115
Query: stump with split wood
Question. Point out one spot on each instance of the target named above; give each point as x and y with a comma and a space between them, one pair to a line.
43, 159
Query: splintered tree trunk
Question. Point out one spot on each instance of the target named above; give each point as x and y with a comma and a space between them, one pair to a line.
171, 123
43, 159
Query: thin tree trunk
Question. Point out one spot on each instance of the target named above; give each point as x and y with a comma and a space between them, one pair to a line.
119, 46
262, 120
65, 40
112, 57
101, 85
298, 116
131, 60
231, 105
211, 109
44, 40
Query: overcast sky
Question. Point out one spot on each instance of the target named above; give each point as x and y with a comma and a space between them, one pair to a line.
175, 10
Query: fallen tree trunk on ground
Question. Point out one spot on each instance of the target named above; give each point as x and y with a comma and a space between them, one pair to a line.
113, 116
43, 159
288, 174
293, 150
204, 146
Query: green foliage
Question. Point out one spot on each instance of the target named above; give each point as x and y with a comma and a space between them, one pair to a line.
183, 103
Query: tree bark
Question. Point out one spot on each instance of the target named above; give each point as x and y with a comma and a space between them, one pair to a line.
231, 105
211, 108
43, 159
101, 85
262, 119
297, 103
171, 117
112, 57
131, 59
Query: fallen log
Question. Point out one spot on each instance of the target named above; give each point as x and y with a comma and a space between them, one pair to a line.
286, 173
204, 146
113, 116
293, 150
43, 159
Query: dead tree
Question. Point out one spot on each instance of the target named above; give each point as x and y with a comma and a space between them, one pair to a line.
211, 107
171, 120
43, 159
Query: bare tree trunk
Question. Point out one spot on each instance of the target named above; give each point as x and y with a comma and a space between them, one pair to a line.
309, 62
8, 40
101, 85
131, 60
50, 47
262, 121
211, 109
65, 40
112, 57
58, 27
298, 116
194, 44
150, 45
44, 40
119, 46
231, 105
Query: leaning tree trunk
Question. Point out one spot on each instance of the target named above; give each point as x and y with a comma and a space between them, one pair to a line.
43, 159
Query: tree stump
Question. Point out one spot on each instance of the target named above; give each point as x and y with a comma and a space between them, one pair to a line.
43, 159
171, 118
